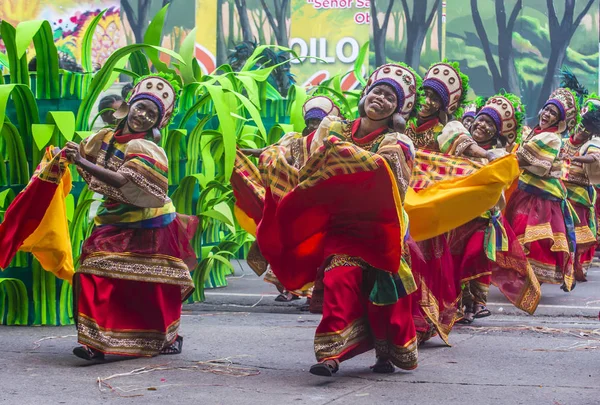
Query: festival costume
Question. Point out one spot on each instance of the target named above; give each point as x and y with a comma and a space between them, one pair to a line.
134, 271
317, 107
580, 180
310, 220
538, 211
36, 220
435, 304
486, 249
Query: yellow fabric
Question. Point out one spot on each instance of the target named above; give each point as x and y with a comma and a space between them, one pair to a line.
244, 220
450, 203
50, 243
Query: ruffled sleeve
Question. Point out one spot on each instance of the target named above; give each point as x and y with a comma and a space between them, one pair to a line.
539, 153
91, 146
146, 170
145, 167
454, 139
592, 170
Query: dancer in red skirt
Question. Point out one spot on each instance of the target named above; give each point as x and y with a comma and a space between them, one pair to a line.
486, 249
538, 211
342, 212
435, 304
581, 152
135, 266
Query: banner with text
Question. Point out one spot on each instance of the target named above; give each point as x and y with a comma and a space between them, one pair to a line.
328, 35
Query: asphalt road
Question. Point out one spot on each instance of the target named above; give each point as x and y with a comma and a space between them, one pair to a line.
243, 348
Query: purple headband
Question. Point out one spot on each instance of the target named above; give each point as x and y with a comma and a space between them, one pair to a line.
558, 105
440, 89
468, 114
395, 86
315, 113
493, 114
155, 100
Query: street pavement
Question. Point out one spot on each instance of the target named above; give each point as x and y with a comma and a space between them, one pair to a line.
241, 347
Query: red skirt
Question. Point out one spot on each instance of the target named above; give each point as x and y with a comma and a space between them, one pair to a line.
586, 241
539, 225
130, 286
510, 272
352, 325
435, 303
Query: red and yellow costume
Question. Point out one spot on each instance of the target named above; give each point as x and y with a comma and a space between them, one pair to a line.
486, 249
539, 212
134, 271
580, 180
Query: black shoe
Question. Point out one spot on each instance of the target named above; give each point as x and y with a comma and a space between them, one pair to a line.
174, 348
324, 369
87, 353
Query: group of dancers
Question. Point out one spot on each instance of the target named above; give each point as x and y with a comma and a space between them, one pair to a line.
381, 222
394, 224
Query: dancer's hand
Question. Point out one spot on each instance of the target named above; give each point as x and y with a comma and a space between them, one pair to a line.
494, 154
72, 153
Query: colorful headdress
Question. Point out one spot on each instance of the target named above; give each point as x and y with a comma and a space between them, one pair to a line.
508, 113
161, 92
566, 102
405, 82
590, 113
450, 84
471, 109
319, 107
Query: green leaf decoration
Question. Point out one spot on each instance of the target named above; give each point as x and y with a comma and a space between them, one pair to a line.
86, 44
19, 72
40, 32
42, 135
14, 302
360, 63
102, 78
64, 121
187, 52
154, 36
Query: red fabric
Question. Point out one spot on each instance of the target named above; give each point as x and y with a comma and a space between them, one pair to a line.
527, 210
468, 254
120, 138
537, 130
370, 137
23, 216
466, 247
346, 300
250, 203
171, 240
116, 304
426, 125
439, 287
351, 214
585, 252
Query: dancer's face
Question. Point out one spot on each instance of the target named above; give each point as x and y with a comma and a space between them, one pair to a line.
311, 125
467, 122
143, 116
549, 116
432, 105
381, 102
583, 134
483, 129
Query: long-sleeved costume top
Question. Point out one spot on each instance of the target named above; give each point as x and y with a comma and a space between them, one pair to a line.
138, 211
326, 219
143, 200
